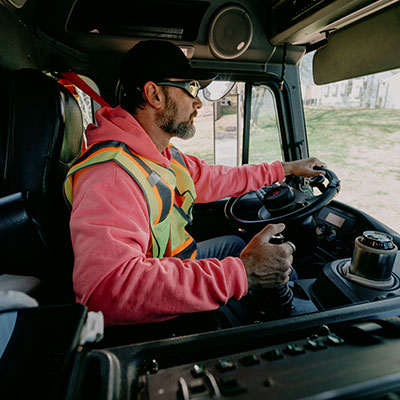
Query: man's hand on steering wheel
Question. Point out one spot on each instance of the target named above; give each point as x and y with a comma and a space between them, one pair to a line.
303, 167
282, 203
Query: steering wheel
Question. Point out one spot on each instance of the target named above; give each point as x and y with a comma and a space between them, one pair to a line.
283, 203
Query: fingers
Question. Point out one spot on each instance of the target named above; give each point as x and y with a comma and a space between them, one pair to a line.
310, 169
268, 265
285, 281
315, 162
272, 280
292, 246
284, 277
271, 230
286, 250
304, 167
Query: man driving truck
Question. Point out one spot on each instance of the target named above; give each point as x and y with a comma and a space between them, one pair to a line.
132, 195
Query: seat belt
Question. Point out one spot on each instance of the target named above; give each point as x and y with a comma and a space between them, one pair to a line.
82, 85
75, 80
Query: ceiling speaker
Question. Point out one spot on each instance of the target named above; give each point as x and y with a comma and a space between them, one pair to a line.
230, 33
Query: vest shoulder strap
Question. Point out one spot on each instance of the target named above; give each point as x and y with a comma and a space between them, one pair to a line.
156, 191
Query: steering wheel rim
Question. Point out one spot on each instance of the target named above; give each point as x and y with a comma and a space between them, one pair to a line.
315, 203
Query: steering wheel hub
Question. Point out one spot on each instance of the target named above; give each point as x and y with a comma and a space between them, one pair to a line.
279, 199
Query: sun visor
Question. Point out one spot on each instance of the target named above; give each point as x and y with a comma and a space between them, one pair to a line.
368, 46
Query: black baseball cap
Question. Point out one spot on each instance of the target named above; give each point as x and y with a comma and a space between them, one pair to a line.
156, 60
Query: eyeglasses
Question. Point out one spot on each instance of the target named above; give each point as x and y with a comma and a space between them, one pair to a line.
192, 88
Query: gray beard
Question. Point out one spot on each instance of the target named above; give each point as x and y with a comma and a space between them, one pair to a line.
182, 130
167, 122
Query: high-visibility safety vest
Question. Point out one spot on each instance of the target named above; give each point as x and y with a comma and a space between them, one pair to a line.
169, 193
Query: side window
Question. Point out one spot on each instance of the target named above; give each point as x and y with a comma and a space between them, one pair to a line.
202, 144
228, 127
265, 145
219, 129
354, 126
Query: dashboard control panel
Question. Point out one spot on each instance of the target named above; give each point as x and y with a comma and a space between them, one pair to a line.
336, 231
350, 362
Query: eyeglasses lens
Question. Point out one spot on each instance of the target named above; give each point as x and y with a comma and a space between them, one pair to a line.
194, 88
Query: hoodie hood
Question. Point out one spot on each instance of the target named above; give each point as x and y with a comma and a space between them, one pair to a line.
118, 124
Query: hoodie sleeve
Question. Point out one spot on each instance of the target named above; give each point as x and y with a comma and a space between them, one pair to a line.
110, 236
214, 182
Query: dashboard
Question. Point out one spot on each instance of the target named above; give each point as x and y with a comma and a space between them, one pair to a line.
350, 353
335, 230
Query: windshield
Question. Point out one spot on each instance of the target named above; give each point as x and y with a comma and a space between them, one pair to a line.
354, 126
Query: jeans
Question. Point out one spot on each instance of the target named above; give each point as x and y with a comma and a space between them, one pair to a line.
220, 247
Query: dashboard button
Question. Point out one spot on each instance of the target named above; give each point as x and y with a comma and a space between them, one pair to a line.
198, 370
334, 340
320, 229
272, 355
225, 365
249, 360
313, 344
293, 350
331, 235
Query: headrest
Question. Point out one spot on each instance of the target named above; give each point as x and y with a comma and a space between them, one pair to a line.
44, 133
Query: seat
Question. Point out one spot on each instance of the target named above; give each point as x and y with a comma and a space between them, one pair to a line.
44, 138
4, 106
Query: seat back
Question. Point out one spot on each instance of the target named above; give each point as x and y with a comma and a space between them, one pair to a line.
43, 140
4, 107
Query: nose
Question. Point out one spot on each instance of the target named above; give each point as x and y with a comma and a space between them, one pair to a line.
197, 104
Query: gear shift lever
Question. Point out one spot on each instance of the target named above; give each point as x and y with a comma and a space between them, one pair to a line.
276, 302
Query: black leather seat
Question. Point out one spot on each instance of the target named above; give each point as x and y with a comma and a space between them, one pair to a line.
44, 137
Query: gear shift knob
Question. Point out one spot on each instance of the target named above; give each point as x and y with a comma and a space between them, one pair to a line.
277, 302
277, 239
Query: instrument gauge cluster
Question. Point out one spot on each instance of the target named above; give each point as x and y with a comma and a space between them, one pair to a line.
336, 231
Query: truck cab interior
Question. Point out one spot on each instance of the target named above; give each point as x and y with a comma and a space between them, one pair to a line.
294, 79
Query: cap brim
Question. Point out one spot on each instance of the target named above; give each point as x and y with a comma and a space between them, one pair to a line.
203, 77
205, 82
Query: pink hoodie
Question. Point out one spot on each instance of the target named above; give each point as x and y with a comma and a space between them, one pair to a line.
110, 234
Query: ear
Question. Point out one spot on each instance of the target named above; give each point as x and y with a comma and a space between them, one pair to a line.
153, 95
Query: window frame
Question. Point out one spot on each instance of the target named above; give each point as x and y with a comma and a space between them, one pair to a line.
289, 113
